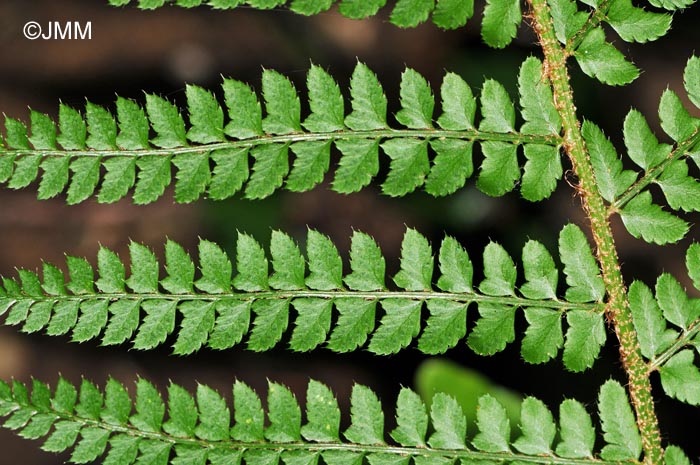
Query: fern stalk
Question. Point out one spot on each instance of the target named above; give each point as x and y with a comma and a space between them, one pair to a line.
652, 174
469, 135
594, 20
676, 347
617, 307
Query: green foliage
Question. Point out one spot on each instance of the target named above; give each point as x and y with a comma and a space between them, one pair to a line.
255, 146
446, 14
259, 154
667, 322
95, 424
665, 165
219, 309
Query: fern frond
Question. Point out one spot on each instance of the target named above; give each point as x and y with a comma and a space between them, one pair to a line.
212, 158
215, 309
584, 38
501, 17
664, 164
667, 348
198, 428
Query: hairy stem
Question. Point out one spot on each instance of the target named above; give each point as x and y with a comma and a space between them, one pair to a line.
594, 20
617, 309
470, 134
683, 340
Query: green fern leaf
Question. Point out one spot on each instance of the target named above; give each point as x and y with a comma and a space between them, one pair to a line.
206, 116
445, 327
451, 14
580, 267
494, 329
322, 413
269, 170
150, 408
229, 174
359, 9
455, 267
676, 306
541, 274
368, 101
692, 263
232, 323
449, 423
543, 337
611, 179
635, 24
214, 415
271, 321
102, 128
131, 160
251, 264
601, 60
538, 428
326, 102
584, 339
494, 426
312, 325
618, 422
644, 219
499, 271
197, 323
248, 414
501, 21
681, 191
216, 310
417, 101
576, 431
43, 131
653, 335
196, 432
367, 417
244, 111
673, 455
356, 321
282, 104
410, 13
325, 264
367, 264
72, 128
400, 324
691, 80
566, 18
215, 267
680, 377
55, 177
642, 145
153, 178
167, 122
310, 7
675, 119
193, 176
182, 412
134, 128
499, 170
158, 323
411, 419
416, 263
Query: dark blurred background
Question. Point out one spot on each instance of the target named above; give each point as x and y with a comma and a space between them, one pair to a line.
133, 51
